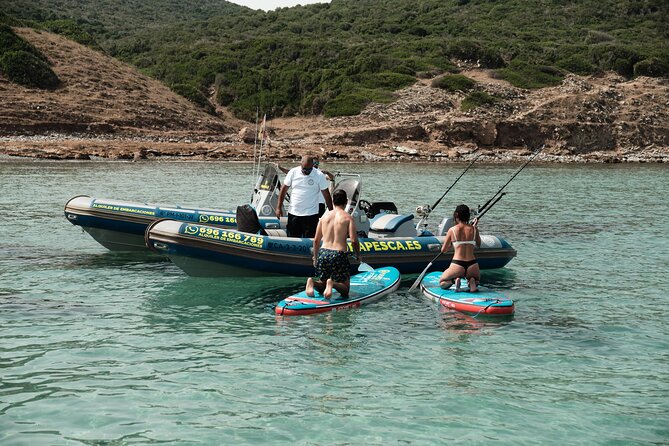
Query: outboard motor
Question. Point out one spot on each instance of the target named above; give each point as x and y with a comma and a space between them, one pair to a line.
247, 220
353, 188
378, 207
266, 193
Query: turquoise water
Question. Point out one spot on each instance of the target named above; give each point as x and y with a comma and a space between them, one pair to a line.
107, 348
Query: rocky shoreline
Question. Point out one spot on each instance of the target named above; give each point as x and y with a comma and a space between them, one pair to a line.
216, 148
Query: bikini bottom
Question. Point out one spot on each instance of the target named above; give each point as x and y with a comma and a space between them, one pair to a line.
464, 263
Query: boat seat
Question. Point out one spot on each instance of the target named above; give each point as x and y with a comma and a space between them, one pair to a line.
392, 225
379, 207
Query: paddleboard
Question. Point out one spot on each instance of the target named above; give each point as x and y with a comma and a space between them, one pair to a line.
484, 301
365, 288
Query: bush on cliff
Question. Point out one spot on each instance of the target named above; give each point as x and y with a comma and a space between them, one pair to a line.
615, 57
10, 41
477, 99
24, 68
73, 31
654, 67
194, 95
454, 82
473, 51
349, 104
525, 75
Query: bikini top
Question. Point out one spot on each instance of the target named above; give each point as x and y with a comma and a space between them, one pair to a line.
464, 242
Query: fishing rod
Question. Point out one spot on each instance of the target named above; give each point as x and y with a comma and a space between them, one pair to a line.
424, 211
483, 209
454, 182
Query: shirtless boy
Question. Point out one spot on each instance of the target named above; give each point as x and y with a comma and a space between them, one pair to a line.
330, 260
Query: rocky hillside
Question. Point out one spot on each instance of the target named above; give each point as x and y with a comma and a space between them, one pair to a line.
107, 109
98, 95
585, 118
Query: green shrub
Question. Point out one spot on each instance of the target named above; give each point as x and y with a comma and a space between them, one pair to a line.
470, 50
10, 42
524, 75
477, 99
614, 57
653, 67
9, 20
454, 82
576, 63
352, 103
26, 69
594, 37
194, 95
386, 80
345, 105
72, 31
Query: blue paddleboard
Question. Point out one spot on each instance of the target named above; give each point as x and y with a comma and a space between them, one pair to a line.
365, 288
484, 301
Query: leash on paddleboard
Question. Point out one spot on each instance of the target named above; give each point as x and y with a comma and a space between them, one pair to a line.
483, 310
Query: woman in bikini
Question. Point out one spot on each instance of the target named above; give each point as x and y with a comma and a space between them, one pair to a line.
463, 237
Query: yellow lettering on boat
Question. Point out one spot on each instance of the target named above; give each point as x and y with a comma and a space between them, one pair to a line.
254, 241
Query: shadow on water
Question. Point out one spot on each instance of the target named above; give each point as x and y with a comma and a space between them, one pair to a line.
248, 293
112, 259
237, 305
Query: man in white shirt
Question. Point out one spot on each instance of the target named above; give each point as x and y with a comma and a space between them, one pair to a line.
329, 175
307, 184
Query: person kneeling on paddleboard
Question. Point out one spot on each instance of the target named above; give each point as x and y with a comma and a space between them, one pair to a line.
332, 266
463, 237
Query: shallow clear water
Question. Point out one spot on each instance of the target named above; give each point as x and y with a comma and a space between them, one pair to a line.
107, 348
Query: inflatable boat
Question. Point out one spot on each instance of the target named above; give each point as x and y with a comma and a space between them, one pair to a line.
386, 239
120, 225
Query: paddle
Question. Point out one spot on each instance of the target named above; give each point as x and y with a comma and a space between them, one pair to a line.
415, 284
364, 268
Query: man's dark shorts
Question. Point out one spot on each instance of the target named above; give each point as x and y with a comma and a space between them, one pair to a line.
302, 226
332, 265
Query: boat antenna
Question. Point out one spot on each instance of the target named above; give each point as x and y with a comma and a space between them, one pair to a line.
255, 143
263, 130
